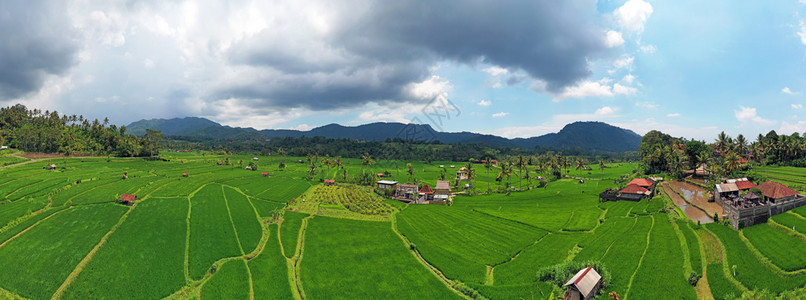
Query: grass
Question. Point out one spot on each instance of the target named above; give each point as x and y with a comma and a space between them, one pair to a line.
784, 250
44, 256
695, 257
244, 218
267, 208
749, 270
664, 250
721, 287
15, 210
229, 282
148, 250
461, 242
552, 249
270, 271
791, 221
368, 245
623, 256
289, 231
211, 232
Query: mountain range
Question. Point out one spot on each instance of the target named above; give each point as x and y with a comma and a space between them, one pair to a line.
588, 136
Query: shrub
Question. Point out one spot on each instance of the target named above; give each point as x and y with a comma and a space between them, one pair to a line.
693, 278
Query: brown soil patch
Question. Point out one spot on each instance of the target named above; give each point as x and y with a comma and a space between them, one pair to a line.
697, 195
693, 213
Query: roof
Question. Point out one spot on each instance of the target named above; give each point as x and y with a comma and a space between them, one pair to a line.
585, 280
389, 182
128, 197
330, 180
462, 169
264, 173
412, 187
443, 185
184, 173
640, 182
745, 185
426, 189
726, 187
776, 190
634, 189
750, 196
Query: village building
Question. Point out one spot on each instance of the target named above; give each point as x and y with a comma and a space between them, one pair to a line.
407, 192
184, 174
426, 194
128, 199
380, 175
51, 167
219, 163
265, 174
387, 185
3, 147
743, 207
634, 192
584, 285
462, 174
329, 182
442, 191
699, 171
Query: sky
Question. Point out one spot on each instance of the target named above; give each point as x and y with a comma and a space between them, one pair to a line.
510, 68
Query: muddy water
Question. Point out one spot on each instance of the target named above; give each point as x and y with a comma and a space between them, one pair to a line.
697, 195
691, 212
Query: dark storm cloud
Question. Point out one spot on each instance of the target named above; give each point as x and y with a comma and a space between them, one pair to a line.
373, 56
35, 40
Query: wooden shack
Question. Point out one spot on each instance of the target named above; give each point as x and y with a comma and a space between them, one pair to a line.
442, 191
184, 174
330, 182
584, 285
407, 192
265, 174
426, 194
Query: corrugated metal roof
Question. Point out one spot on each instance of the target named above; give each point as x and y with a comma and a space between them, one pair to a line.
585, 280
443, 185
728, 187
389, 182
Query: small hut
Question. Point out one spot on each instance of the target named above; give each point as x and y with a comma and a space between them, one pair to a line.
265, 174
248, 168
184, 174
219, 163
330, 182
584, 285
426, 193
51, 167
128, 199
442, 191
255, 158
380, 174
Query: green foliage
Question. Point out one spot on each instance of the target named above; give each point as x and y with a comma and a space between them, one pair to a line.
270, 271
380, 265
461, 242
552, 249
152, 242
289, 231
721, 287
211, 232
784, 250
560, 273
35, 131
749, 270
229, 282
44, 256
664, 249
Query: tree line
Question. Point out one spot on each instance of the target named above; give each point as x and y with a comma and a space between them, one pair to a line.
724, 157
33, 130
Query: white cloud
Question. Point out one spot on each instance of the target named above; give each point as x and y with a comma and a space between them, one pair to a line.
495, 71
647, 105
484, 103
613, 39
749, 115
303, 127
673, 115
605, 113
148, 64
633, 15
584, 89
788, 128
628, 79
624, 62
787, 91
650, 49
619, 89
797, 106
500, 115
802, 32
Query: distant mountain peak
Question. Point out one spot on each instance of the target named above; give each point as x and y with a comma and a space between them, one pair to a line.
584, 135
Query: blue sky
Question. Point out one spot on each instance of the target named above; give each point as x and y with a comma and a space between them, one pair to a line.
511, 68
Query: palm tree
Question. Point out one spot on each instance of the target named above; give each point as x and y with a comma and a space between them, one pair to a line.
281, 152
488, 164
471, 174
741, 142
722, 141
410, 169
580, 164
732, 161
528, 179
602, 165
366, 160
520, 163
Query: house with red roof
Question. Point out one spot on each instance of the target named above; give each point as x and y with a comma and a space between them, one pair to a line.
329, 182
265, 174
426, 193
746, 208
634, 192
128, 199
584, 285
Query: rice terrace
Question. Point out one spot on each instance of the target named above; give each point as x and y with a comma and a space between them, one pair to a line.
412, 149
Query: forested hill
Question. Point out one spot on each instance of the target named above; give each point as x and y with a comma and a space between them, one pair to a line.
586, 136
